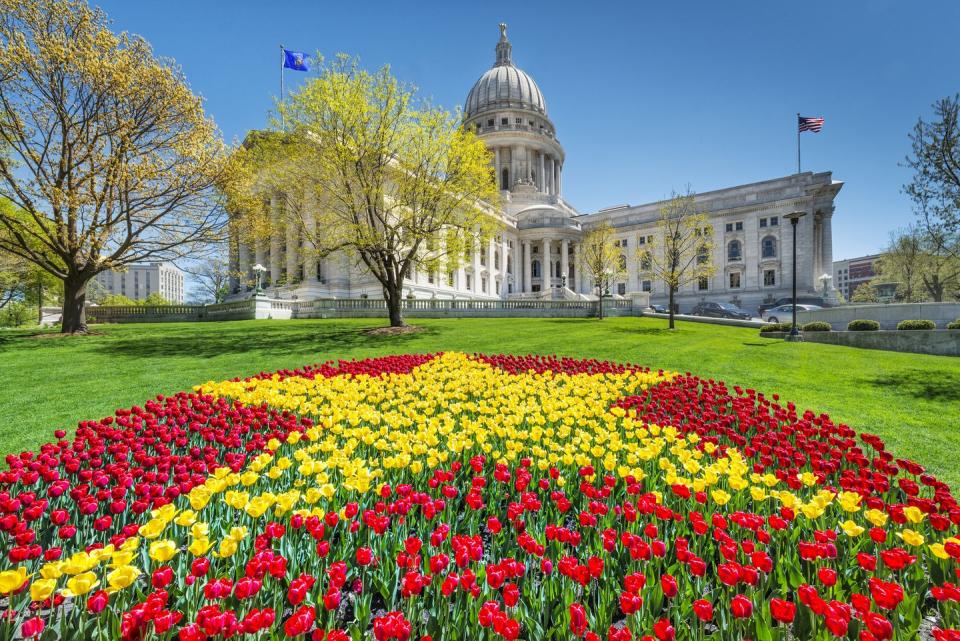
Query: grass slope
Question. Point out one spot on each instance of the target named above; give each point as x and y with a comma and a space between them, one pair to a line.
910, 400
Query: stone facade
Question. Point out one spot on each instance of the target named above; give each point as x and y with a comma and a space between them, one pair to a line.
142, 279
535, 255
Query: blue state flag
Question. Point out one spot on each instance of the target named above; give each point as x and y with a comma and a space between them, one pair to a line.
296, 60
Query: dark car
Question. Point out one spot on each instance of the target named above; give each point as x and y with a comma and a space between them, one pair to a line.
660, 309
801, 300
720, 310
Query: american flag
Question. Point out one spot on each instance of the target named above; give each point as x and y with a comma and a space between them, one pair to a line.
807, 123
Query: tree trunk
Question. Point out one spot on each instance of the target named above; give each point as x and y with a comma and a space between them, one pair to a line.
394, 298
74, 318
671, 307
600, 305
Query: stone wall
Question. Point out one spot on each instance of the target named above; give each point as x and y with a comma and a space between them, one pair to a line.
887, 315
940, 342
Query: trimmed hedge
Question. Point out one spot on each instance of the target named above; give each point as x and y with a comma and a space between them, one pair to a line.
954, 325
817, 326
863, 325
916, 324
775, 327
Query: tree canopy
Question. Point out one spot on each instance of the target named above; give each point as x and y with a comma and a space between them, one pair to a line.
360, 165
107, 154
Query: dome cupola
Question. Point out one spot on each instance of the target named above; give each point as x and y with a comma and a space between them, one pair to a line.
504, 86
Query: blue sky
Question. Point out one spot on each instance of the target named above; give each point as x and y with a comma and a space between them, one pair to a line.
646, 97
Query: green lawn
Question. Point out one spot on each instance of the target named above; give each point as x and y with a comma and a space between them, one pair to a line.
911, 400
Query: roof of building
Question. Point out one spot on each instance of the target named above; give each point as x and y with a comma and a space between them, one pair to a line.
504, 86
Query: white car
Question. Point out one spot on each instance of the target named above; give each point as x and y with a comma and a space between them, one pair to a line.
784, 313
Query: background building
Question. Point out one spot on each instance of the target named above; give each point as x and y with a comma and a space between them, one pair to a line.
536, 253
853, 272
142, 279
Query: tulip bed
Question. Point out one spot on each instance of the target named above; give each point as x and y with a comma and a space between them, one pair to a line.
466, 497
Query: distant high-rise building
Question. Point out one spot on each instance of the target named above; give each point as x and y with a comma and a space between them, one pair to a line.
142, 279
853, 272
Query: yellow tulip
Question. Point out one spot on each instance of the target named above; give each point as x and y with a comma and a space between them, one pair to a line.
720, 497
851, 529
80, 584
910, 537
876, 517
163, 551
122, 577
913, 514
41, 589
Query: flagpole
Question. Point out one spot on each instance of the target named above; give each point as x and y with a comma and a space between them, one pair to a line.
798, 142
282, 60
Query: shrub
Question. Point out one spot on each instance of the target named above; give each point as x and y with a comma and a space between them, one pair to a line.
817, 326
916, 324
954, 325
863, 325
775, 327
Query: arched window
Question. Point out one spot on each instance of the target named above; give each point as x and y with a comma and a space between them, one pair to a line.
556, 269
768, 247
509, 264
496, 259
535, 269
505, 179
734, 250
645, 262
622, 262
703, 255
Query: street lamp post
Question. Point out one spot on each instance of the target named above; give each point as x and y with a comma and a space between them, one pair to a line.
794, 218
259, 270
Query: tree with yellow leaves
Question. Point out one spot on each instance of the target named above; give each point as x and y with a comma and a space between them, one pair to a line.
361, 166
601, 260
685, 247
104, 150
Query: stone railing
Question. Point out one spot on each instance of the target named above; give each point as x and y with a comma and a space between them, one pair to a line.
262, 307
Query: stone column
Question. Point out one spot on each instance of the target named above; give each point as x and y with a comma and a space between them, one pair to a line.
527, 269
543, 174
545, 266
292, 249
243, 264
476, 267
310, 231
491, 269
559, 180
826, 242
504, 261
564, 265
276, 269
514, 165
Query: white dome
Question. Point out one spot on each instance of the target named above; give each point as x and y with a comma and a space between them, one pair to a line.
505, 86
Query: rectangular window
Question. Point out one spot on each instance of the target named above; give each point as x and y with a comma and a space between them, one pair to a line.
483, 284
763, 222
774, 221
729, 227
734, 280
518, 121
646, 286
490, 122
703, 283
469, 282
621, 288
641, 241
504, 121
769, 277
738, 226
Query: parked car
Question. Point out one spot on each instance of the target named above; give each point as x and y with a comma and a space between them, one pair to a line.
720, 310
784, 313
660, 309
801, 300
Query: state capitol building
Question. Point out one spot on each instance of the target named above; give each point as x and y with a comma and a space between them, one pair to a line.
535, 255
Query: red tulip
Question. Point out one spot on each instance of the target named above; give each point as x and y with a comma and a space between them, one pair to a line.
578, 619
741, 607
782, 611
703, 609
